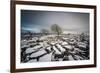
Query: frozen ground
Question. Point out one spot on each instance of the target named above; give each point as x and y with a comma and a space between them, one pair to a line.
57, 50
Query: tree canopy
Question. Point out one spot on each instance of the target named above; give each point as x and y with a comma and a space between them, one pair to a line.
56, 29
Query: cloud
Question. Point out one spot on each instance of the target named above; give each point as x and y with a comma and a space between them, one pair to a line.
68, 21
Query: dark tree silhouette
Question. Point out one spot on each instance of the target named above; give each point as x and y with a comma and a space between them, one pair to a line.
56, 29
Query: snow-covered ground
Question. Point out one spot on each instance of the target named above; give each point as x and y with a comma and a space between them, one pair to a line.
58, 50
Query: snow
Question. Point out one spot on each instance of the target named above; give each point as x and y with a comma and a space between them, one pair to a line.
34, 38
71, 42
33, 60
43, 38
78, 57
49, 46
80, 44
24, 46
60, 59
46, 58
40, 52
53, 43
64, 43
68, 46
70, 57
77, 49
44, 44
64, 38
62, 49
29, 50
56, 50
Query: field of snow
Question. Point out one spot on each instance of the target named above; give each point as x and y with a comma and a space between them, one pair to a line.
46, 49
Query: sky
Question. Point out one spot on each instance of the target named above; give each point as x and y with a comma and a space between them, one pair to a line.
70, 22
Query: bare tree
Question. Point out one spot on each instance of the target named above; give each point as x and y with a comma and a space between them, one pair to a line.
56, 29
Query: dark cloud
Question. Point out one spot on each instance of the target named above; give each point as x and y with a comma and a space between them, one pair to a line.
68, 21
